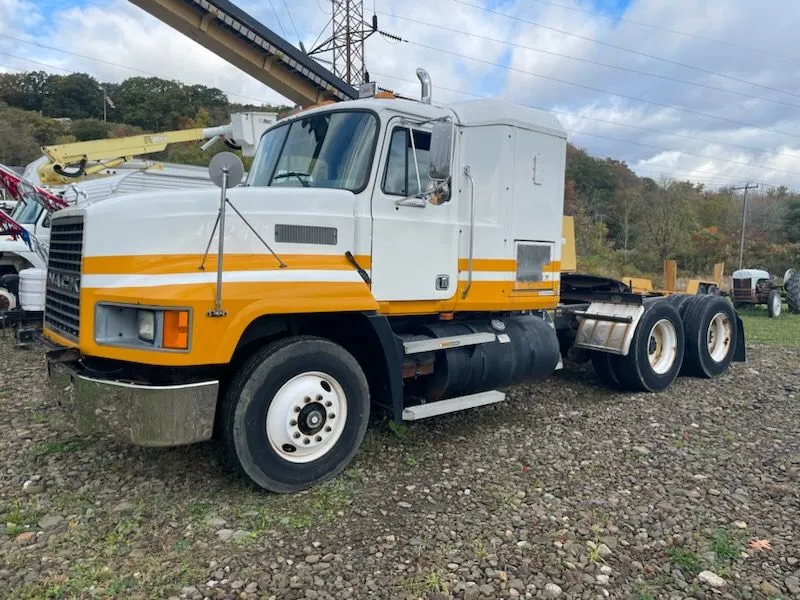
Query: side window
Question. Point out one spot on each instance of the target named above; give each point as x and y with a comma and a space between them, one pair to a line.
400, 178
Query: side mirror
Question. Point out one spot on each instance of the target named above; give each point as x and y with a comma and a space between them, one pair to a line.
441, 154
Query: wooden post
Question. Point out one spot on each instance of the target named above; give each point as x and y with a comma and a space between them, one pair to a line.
719, 270
670, 275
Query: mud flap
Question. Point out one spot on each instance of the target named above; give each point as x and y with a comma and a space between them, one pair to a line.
739, 351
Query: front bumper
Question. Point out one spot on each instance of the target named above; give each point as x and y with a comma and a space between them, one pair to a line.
144, 415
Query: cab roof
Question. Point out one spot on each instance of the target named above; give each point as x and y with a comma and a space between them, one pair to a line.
470, 113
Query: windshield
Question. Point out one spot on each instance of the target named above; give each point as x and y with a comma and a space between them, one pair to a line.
330, 150
26, 212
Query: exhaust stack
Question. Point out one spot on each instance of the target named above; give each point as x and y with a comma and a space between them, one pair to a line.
425, 80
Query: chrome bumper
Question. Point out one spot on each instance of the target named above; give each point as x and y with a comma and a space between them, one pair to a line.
171, 415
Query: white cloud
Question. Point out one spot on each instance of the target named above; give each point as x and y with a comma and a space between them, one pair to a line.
759, 136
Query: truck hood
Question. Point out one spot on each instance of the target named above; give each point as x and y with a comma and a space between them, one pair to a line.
182, 222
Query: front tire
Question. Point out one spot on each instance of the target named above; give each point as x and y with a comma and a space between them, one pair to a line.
295, 414
774, 304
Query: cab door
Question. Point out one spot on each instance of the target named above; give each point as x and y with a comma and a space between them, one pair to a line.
414, 243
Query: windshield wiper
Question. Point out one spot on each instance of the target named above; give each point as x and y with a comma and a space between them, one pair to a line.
294, 174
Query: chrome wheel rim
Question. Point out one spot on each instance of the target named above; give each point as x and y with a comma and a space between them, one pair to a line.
306, 417
776, 305
662, 346
718, 337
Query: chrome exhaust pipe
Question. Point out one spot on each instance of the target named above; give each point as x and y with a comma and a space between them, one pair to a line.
425, 80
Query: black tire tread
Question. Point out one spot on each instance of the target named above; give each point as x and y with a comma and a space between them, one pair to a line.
695, 324
240, 380
792, 288
632, 370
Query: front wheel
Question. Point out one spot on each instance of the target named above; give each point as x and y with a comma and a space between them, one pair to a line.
295, 414
774, 304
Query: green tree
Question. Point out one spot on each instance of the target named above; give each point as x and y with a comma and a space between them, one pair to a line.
90, 129
76, 96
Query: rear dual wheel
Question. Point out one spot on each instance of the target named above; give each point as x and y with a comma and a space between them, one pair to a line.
655, 355
711, 336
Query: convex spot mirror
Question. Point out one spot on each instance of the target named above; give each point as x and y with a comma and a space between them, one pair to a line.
218, 166
441, 153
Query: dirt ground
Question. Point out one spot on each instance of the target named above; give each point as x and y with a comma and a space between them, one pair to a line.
566, 490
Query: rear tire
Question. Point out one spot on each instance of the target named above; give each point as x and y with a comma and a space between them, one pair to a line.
295, 414
656, 351
792, 287
711, 337
605, 367
774, 304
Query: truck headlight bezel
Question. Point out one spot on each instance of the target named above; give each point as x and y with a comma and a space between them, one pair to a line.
143, 327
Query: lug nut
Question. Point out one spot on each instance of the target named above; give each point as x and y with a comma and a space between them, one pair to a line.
327, 430
329, 404
293, 423
296, 435
306, 441
318, 439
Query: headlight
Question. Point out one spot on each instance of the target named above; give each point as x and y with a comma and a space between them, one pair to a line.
143, 328
146, 322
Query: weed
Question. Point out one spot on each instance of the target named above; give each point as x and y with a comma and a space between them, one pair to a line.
182, 545
411, 461
685, 559
121, 585
399, 430
480, 549
435, 583
199, 508
725, 545
643, 594
72, 445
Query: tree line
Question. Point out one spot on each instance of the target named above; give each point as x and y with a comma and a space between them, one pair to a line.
625, 224
35, 107
628, 225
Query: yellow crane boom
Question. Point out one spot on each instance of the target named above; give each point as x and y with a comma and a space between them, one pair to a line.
68, 162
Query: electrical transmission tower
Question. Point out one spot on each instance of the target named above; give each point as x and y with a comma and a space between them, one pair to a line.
346, 43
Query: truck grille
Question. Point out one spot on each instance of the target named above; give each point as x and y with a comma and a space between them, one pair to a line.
62, 303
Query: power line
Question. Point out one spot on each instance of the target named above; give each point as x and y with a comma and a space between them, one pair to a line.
666, 29
277, 18
591, 62
709, 157
291, 18
620, 124
622, 48
599, 90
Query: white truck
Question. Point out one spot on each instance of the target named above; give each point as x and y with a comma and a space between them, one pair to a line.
382, 254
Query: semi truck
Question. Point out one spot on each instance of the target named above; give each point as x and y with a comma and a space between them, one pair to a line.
382, 254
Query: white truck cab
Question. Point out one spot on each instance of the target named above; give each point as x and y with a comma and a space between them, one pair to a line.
381, 254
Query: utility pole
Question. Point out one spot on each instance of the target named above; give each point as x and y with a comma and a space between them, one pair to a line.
744, 218
346, 43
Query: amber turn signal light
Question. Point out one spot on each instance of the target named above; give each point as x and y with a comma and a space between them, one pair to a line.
176, 329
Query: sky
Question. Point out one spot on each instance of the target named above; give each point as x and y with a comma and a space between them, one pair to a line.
706, 90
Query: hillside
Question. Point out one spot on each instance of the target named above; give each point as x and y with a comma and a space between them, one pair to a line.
625, 223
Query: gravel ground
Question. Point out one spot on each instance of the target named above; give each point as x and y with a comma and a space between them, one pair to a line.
567, 490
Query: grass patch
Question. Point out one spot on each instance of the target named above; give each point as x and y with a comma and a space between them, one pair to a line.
686, 560
71, 445
725, 545
760, 329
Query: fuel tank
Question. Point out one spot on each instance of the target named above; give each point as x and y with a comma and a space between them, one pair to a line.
526, 349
